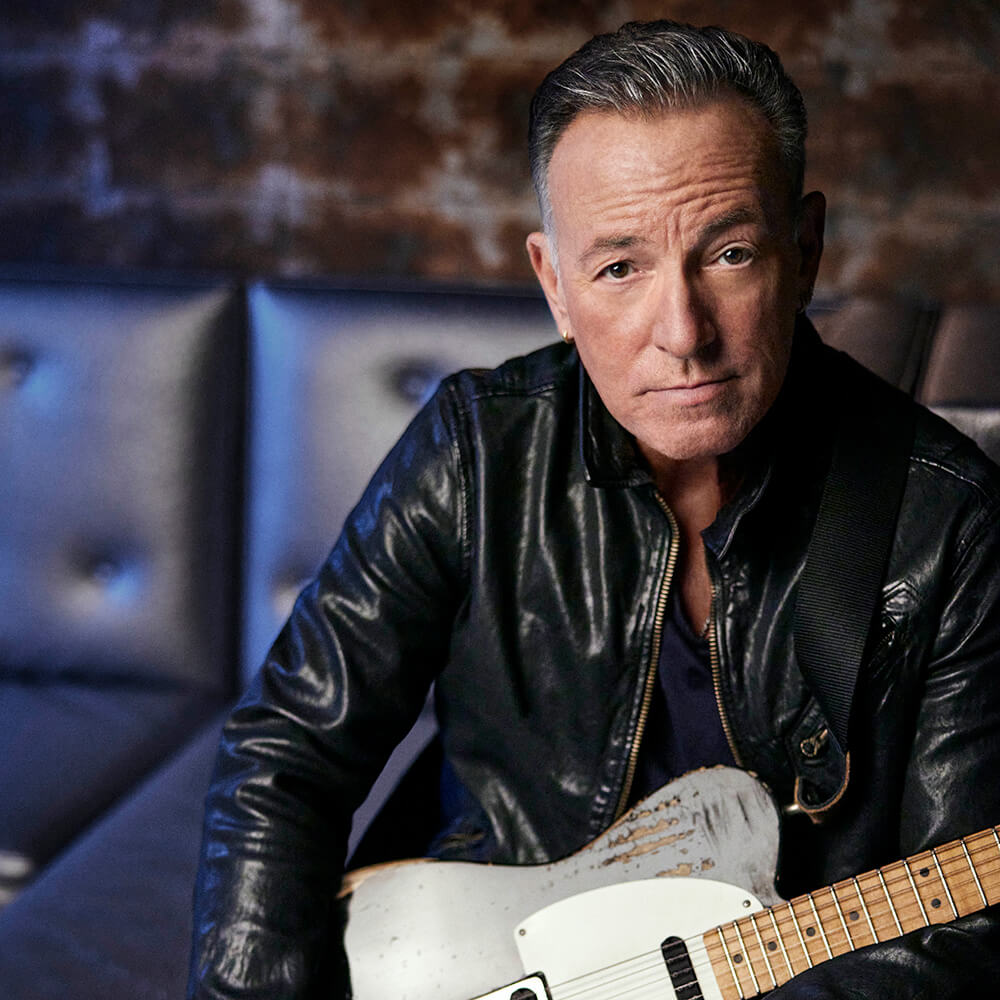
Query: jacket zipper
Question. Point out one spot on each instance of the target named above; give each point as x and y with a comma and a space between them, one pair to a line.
716, 662
654, 658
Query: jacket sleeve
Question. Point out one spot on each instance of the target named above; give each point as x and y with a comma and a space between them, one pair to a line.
951, 790
342, 684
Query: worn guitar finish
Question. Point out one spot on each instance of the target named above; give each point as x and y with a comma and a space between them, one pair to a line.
446, 930
674, 901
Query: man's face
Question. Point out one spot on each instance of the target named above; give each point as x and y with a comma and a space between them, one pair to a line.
679, 270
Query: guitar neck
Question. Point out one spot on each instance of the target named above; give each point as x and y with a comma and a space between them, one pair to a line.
767, 948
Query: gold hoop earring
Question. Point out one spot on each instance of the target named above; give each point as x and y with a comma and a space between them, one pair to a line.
567, 336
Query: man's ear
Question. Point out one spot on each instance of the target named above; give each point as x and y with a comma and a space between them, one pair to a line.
812, 218
540, 252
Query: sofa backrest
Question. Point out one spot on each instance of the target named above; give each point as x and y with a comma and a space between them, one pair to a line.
947, 357
962, 377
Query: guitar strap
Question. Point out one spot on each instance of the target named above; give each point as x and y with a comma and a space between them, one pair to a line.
850, 545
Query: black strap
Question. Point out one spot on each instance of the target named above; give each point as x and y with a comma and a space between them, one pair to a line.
850, 546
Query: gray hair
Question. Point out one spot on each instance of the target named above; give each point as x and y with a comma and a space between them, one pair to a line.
648, 68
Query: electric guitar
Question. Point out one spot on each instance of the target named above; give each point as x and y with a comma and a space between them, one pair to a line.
675, 900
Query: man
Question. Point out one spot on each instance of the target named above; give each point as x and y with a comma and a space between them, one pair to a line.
594, 554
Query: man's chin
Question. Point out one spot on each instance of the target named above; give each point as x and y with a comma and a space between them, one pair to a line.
702, 440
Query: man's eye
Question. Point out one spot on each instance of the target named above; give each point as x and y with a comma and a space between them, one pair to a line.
620, 269
735, 255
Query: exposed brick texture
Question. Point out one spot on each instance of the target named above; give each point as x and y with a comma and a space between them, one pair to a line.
378, 138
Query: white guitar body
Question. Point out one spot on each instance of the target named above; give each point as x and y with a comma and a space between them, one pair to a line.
700, 852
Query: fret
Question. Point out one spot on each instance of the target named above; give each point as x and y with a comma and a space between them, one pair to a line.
832, 926
989, 868
864, 909
779, 937
975, 874
906, 900
888, 899
916, 894
879, 905
985, 850
848, 940
763, 949
804, 930
944, 882
931, 888
786, 914
956, 870
729, 964
819, 925
746, 955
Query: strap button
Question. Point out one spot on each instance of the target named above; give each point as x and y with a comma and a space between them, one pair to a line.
813, 746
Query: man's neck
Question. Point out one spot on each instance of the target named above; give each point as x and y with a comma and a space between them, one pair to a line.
691, 488
693, 492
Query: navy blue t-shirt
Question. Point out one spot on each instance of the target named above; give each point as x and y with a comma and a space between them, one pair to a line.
684, 729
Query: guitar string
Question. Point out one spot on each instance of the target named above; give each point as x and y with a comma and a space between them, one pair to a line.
824, 901
652, 962
654, 965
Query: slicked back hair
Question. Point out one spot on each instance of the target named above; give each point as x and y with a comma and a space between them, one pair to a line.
647, 68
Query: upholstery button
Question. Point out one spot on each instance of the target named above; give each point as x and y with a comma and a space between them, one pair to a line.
110, 577
105, 571
15, 366
415, 380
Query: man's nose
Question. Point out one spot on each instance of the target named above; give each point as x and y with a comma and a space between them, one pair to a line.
681, 324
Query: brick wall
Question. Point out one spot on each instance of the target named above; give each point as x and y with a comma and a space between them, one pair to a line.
376, 137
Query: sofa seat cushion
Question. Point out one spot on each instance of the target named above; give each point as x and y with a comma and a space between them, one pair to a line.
112, 916
67, 750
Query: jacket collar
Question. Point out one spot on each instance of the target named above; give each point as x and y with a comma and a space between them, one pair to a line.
610, 457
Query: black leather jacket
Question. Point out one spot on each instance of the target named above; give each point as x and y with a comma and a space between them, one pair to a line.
513, 550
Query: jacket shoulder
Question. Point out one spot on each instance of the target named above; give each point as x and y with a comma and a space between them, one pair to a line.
940, 445
550, 368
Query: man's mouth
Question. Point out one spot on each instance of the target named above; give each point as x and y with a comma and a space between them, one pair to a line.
697, 391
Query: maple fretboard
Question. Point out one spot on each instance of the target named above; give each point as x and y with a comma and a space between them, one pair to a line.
767, 948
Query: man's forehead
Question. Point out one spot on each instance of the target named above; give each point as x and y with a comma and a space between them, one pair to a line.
601, 146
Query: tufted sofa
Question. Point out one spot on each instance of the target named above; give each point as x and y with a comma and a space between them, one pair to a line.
176, 456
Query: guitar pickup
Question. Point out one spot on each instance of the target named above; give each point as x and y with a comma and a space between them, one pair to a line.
531, 988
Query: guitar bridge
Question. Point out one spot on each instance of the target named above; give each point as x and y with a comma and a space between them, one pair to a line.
531, 988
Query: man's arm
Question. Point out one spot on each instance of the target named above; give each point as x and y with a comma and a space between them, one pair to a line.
342, 684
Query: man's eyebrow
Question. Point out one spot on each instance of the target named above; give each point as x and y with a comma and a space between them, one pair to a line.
736, 217
604, 243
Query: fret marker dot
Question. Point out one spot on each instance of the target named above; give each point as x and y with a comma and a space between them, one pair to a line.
737, 959
935, 903
924, 872
772, 945
853, 914
810, 931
